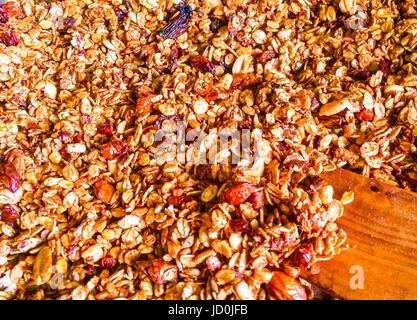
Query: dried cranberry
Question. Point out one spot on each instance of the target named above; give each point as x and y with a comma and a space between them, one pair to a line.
10, 38
244, 124
162, 272
106, 129
212, 95
9, 216
203, 64
384, 67
240, 225
180, 25
267, 56
10, 9
238, 194
173, 56
304, 255
366, 115
312, 183
108, 262
10, 178
244, 80
177, 201
284, 287
257, 199
114, 149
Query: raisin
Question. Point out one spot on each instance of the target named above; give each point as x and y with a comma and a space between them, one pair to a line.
240, 225
120, 14
10, 38
267, 56
10, 178
361, 75
216, 24
257, 199
203, 64
238, 194
108, 262
180, 25
114, 149
366, 115
244, 80
69, 23
106, 129
312, 183
177, 201
9, 216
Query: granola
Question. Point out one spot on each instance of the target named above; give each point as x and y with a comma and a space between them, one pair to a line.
90, 208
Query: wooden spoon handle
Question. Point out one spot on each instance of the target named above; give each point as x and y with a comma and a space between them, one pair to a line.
382, 223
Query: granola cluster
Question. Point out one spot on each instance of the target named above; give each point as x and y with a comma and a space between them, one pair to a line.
91, 209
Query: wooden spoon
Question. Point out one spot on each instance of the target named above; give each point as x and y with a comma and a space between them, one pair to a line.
382, 223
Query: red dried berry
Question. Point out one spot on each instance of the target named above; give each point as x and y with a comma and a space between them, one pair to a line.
114, 149
106, 129
108, 262
212, 95
257, 199
10, 177
203, 64
162, 272
177, 201
284, 287
267, 56
238, 194
366, 115
244, 124
11, 9
304, 255
244, 80
173, 56
213, 263
240, 225
384, 67
9, 216
10, 38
